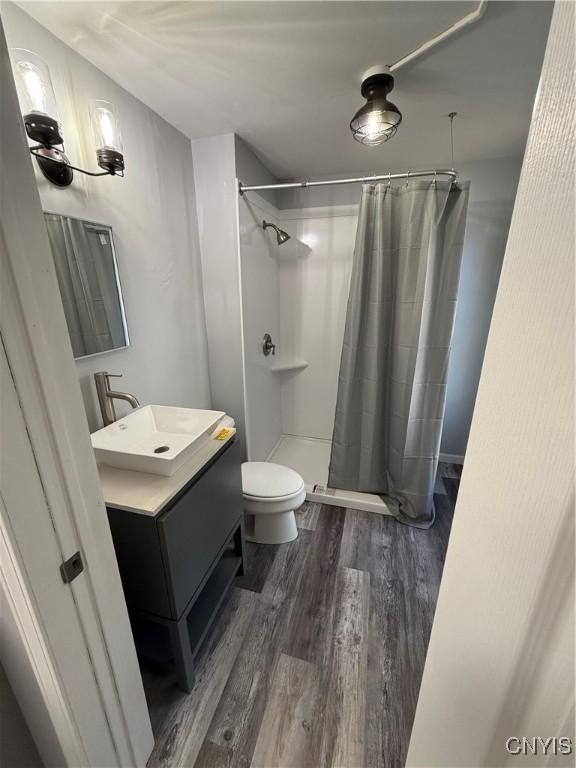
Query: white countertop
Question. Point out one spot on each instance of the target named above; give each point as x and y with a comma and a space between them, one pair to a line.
148, 494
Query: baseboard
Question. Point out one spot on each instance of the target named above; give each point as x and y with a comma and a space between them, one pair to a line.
451, 458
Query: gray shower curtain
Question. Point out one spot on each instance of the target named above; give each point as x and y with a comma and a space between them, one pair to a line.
392, 381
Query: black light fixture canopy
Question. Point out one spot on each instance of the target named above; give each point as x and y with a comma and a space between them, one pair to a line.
53, 163
43, 129
378, 120
111, 160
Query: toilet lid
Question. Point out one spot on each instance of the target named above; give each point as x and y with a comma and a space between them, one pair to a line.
266, 480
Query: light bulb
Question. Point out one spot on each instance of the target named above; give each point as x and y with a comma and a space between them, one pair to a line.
105, 126
372, 128
36, 97
378, 120
33, 83
107, 136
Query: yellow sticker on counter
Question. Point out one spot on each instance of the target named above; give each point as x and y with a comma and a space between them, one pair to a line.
223, 434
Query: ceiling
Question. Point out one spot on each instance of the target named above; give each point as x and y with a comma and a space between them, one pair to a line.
285, 76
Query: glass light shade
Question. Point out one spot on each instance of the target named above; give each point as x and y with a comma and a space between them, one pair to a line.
105, 127
33, 83
378, 120
372, 125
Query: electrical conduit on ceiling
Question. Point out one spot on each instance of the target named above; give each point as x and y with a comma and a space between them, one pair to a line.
465, 21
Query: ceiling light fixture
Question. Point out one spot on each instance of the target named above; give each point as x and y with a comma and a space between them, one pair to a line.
40, 115
378, 120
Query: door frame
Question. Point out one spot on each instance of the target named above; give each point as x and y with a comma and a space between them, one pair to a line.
500, 663
35, 337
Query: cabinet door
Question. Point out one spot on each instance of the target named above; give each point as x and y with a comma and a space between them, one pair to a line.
194, 530
137, 546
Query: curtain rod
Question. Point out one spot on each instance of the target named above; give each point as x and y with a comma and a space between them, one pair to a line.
451, 174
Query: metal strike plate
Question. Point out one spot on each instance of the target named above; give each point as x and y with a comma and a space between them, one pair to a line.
71, 568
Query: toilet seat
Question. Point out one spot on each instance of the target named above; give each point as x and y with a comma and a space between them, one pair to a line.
266, 480
288, 497
271, 494
273, 499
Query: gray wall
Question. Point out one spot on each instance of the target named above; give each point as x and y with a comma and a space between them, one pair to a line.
17, 748
152, 212
251, 170
217, 210
492, 193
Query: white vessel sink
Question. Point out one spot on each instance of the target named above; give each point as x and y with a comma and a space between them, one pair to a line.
155, 438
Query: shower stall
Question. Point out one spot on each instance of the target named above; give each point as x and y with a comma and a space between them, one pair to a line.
276, 281
364, 299
297, 292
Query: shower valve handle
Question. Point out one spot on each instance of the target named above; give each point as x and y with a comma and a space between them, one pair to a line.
268, 345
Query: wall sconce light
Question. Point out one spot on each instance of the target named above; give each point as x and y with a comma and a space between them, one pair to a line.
40, 116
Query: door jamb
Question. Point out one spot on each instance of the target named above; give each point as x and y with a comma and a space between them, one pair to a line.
39, 354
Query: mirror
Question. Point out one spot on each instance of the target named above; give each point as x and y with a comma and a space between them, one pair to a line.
87, 273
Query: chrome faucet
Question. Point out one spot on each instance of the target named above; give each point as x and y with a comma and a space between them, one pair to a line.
106, 396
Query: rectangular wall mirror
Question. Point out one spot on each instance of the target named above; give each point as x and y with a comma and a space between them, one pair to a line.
87, 273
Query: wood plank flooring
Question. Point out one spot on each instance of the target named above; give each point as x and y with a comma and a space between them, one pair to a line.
316, 656
286, 734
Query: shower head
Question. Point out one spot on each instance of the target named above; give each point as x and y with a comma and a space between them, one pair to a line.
281, 236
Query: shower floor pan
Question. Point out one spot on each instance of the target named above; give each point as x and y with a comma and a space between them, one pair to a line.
310, 457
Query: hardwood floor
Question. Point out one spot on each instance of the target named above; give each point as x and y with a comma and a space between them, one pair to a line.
316, 656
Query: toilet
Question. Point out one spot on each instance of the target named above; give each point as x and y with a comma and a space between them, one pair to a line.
271, 493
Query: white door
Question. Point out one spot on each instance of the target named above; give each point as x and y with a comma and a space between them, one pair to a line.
69, 690
67, 648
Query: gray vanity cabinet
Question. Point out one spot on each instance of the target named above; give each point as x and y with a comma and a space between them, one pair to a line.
176, 566
194, 529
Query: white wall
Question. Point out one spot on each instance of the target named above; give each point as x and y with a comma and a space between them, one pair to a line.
152, 214
217, 207
501, 657
259, 252
314, 283
260, 303
314, 295
241, 288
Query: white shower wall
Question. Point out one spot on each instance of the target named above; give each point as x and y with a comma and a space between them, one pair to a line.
297, 292
314, 282
260, 291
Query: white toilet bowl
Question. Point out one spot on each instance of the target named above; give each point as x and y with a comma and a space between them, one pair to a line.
271, 494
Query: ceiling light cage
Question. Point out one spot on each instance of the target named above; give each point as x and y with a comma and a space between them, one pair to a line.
378, 120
